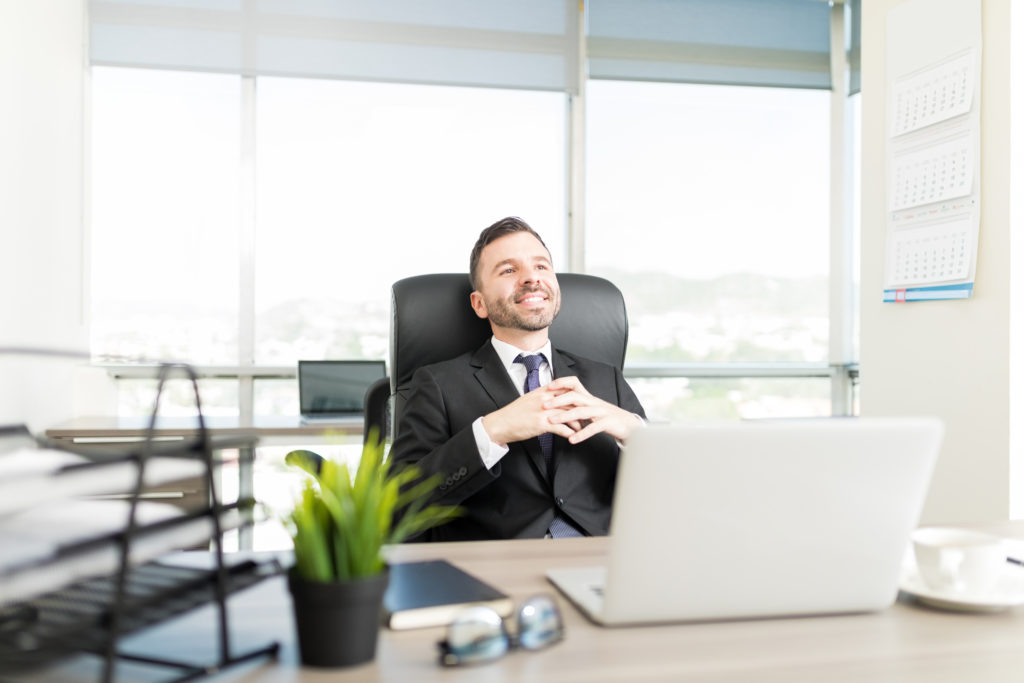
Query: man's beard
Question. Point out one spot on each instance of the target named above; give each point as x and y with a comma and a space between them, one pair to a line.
504, 313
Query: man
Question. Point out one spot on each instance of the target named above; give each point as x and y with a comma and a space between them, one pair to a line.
527, 446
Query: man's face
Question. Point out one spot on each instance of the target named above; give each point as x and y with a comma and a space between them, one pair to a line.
518, 287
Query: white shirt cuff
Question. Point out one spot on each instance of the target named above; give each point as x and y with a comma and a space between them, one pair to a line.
639, 419
490, 452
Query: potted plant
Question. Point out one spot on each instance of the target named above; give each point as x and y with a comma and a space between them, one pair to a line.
339, 525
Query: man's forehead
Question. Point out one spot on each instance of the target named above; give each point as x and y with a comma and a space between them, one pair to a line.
516, 246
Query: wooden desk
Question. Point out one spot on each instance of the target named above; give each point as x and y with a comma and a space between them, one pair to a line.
905, 643
115, 429
101, 432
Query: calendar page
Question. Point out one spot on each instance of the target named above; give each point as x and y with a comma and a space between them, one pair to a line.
932, 173
934, 94
930, 254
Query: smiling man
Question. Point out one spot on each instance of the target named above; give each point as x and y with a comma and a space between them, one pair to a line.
525, 436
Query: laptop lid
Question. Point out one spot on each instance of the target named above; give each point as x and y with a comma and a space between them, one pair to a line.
760, 519
336, 388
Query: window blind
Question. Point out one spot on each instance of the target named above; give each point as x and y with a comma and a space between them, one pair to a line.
853, 43
495, 43
734, 42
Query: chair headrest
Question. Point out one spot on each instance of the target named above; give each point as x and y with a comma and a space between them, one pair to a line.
431, 321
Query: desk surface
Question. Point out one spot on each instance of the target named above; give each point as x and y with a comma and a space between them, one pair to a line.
905, 643
99, 428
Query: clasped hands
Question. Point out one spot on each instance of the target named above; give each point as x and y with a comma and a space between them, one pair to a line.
563, 407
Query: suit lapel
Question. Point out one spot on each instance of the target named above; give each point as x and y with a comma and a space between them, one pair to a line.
564, 365
492, 376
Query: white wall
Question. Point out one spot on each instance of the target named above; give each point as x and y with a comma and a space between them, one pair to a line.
947, 358
1016, 414
42, 303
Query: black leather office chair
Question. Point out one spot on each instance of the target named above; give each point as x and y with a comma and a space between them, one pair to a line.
431, 321
376, 410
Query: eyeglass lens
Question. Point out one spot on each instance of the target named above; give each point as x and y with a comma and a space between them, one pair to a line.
540, 623
478, 634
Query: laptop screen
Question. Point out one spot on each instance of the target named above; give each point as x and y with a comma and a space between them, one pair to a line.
336, 387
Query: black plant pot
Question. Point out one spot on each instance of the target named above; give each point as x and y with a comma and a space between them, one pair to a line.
337, 623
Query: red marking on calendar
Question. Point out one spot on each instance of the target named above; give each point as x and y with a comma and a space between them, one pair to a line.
900, 296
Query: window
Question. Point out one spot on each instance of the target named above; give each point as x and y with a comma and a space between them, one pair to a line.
227, 208
358, 185
259, 219
708, 205
361, 184
701, 398
165, 215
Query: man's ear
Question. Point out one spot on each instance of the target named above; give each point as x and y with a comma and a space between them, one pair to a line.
476, 300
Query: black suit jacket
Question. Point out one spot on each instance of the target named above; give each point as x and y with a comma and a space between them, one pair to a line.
515, 499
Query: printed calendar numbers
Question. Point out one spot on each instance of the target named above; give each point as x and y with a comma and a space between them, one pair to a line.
935, 94
929, 255
932, 174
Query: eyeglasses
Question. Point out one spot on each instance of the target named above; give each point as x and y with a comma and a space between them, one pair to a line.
478, 634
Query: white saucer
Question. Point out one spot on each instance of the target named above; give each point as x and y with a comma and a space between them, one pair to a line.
1008, 592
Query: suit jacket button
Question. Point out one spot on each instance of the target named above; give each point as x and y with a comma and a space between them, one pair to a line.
560, 502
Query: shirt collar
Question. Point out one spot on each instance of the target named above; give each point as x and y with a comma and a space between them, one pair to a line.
507, 353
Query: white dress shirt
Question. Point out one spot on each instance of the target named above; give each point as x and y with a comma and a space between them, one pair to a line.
490, 452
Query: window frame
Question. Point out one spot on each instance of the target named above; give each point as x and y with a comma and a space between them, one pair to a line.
841, 368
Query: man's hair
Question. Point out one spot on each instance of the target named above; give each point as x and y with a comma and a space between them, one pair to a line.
506, 226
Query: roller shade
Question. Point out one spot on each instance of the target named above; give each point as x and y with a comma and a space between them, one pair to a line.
492, 43
853, 43
495, 43
734, 42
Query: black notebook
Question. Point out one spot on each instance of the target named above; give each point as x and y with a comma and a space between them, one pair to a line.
432, 593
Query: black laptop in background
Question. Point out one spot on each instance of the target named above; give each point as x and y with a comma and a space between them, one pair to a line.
331, 390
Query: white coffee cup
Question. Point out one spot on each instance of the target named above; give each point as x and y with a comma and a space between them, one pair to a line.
958, 560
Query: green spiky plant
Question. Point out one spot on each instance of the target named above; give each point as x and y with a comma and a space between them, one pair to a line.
340, 523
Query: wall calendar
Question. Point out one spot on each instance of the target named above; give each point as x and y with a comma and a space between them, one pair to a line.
933, 150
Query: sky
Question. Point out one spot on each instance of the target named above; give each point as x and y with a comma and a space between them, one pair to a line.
355, 185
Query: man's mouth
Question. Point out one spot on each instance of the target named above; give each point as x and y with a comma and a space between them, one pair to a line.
532, 298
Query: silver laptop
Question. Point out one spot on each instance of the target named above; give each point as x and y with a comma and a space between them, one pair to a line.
333, 390
759, 519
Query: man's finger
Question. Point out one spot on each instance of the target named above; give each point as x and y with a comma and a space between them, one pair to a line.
579, 414
561, 430
585, 433
568, 383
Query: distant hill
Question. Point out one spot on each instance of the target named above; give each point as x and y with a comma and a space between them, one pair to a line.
741, 292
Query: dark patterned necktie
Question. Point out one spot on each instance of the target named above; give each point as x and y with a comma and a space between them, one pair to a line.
559, 527
533, 364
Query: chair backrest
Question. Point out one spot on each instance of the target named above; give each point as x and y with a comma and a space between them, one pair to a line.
376, 410
432, 321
